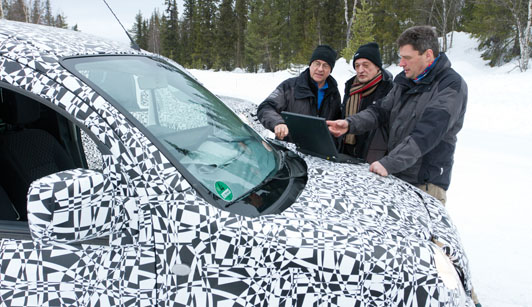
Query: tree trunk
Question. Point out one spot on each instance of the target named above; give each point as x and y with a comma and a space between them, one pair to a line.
349, 21
26, 14
522, 35
444, 26
452, 33
1, 10
269, 58
431, 11
346, 21
319, 32
524, 39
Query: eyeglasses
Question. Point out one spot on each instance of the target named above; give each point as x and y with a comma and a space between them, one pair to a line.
323, 65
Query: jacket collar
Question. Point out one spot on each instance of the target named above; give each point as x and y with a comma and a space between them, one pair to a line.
442, 64
305, 86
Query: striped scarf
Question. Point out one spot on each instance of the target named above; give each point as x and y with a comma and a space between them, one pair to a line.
356, 93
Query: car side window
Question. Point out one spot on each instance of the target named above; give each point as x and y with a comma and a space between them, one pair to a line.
92, 153
36, 141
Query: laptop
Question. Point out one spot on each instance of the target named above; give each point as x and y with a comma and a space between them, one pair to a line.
312, 137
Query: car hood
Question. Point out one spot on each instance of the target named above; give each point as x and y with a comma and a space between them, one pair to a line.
366, 203
347, 201
345, 218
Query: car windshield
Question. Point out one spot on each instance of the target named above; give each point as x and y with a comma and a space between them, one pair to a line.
201, 132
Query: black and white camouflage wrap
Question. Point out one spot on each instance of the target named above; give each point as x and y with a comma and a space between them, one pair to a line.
352, 238
61, 202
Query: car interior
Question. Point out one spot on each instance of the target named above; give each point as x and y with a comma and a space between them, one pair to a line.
35, 141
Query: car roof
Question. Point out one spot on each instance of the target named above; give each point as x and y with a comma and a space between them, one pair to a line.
56, 41
42, 47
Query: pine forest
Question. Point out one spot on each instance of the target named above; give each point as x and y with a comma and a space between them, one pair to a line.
272, 35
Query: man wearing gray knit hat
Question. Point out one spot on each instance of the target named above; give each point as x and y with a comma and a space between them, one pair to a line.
314, 92
370, 84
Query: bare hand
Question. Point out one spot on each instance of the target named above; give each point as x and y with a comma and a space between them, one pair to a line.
280, 131
338, 127
377, 168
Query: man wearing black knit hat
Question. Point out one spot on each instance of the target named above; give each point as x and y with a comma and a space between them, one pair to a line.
314, 92
370, 84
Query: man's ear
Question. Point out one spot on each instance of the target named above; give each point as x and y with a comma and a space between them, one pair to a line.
429, 54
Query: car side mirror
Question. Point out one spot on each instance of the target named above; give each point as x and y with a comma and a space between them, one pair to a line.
70, 206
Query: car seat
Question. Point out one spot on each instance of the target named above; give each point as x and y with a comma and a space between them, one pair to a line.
7, 209
26, 154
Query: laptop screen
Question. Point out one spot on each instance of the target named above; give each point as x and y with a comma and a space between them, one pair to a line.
311, 135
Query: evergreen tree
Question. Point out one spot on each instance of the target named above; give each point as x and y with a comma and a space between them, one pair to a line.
299, 31
263, 36
275, 19
332, 24
170, 31
204, 53
48, 16
241, 15
443, 14
361, 31
489, 22
60, 21
144, 37
392, 17
189, 30
153, 34
139, 30
253, 47
18, 11
36, 12
225, 36
287, 41
310, 36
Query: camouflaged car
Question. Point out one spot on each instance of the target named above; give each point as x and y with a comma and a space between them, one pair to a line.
124, 182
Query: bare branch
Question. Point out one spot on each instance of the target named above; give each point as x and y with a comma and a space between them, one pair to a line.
349, 21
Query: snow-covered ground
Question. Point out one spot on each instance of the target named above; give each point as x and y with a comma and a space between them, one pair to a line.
489, 198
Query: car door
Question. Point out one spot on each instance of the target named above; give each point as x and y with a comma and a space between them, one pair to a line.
82, 241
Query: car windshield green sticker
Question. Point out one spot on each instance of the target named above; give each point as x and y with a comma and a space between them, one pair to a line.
223, 191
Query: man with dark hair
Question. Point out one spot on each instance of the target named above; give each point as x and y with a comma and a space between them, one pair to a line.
424, 112
314, 92
370, 84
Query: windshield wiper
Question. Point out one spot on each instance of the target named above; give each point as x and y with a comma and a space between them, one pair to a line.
182, 151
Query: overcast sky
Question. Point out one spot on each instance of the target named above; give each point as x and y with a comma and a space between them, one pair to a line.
93, 16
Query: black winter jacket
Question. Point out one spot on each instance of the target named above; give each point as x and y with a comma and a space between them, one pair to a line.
424, 120
370, 145
299, 95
